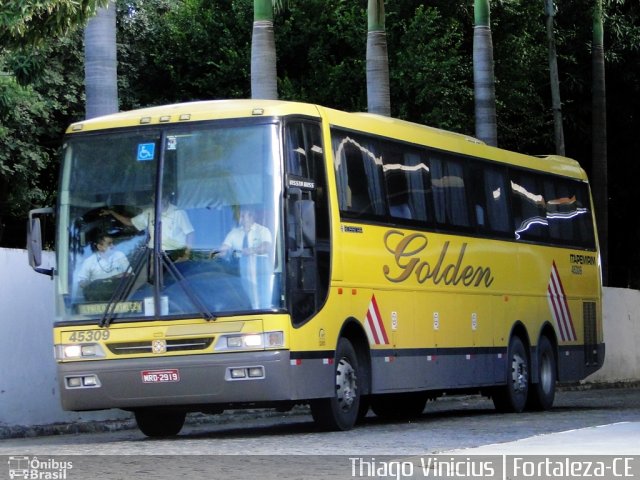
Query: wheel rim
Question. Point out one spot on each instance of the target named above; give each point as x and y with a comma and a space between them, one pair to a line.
519, 374
346, 386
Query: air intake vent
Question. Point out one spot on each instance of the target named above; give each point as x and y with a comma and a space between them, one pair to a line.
590, 333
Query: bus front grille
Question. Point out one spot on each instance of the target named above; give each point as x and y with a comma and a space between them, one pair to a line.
172, 346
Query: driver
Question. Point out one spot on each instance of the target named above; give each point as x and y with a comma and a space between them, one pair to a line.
250, 243
177, 231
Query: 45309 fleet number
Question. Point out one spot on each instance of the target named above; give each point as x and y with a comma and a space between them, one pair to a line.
89, 336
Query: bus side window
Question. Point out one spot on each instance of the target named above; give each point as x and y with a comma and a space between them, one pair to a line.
398, 195
358, 174
584, 232
560, 205
449, 192
406, 177
496, 201
568, 217
529, 207
418, 179
397, 185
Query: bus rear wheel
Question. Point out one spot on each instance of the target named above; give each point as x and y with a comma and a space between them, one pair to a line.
542, 394
340, 411
512, 397
160, 422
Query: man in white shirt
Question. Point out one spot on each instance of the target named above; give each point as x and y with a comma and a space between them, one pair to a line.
104, 263
251, 243
177, 231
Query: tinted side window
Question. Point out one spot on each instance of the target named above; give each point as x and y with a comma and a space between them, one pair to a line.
490, 199
449, 193
568, 213
529, 207
358, 168
406, 177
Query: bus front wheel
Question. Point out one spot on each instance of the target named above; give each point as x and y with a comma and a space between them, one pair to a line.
512, 397
340, 411
160, 422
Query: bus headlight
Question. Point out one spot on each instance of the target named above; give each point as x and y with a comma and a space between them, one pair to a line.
73, 351
250, 341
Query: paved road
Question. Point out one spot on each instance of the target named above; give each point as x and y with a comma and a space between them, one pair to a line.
591, 422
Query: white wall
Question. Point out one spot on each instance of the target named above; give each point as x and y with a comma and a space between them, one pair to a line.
621, 335
28, 385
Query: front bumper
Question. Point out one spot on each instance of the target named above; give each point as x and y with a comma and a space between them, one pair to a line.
194, 380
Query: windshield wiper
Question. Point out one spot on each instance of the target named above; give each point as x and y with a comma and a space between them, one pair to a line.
124, 287
186, 287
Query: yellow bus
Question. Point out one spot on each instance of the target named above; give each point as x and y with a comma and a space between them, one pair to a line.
306, 255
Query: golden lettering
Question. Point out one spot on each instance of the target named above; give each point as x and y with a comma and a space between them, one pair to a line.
406, 250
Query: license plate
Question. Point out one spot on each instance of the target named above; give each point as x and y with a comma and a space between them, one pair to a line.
160, 376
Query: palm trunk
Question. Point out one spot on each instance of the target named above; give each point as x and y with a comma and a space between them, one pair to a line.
556, 104
378, 96
599, 136
101, 64
264, 79
483, 76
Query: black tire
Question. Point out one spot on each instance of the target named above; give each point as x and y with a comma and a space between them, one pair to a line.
340, 412
160, 422
399, 406
512, 397
363, 409
542, 393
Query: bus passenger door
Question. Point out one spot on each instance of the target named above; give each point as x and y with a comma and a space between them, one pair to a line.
307, 224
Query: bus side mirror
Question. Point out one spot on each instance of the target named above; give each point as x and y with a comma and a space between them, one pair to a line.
34, 240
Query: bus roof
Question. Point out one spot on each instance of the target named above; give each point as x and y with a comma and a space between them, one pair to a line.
194, 112
365, 122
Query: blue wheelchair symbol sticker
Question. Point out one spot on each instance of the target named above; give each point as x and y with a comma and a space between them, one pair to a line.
146, 151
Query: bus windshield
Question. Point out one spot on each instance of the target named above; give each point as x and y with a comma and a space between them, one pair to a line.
212, 191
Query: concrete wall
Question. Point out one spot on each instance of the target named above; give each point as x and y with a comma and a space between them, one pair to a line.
28, 386
621, 335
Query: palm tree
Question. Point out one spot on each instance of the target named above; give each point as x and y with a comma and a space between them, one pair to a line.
101, 64
599, 134
264, 78
483, 77
378, 97
555, 84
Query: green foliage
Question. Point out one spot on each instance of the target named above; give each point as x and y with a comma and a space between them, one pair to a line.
40, 94
430, 69
21, 108
32, 22
188, 50
180, 50
321, 58
522, 76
